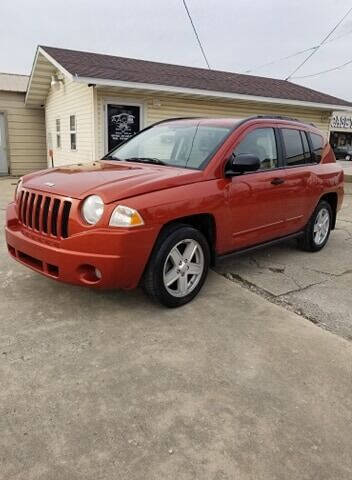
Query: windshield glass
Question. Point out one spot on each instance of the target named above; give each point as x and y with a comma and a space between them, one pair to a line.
180, 144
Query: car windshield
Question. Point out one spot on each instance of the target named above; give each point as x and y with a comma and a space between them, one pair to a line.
180, 144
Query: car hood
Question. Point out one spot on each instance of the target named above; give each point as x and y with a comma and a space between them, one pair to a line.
111, 180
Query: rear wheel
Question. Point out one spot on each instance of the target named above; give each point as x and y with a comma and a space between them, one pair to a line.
178, 266
317, 231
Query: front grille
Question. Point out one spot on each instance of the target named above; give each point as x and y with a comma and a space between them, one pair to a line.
44, 213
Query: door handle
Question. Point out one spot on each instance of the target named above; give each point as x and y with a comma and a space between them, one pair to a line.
277, 181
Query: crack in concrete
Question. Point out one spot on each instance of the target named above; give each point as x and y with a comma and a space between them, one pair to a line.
328, 274
282, 300
277, 300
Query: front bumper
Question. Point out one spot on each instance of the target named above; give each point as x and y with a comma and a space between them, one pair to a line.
120, 255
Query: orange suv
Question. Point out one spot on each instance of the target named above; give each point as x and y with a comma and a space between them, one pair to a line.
160, 208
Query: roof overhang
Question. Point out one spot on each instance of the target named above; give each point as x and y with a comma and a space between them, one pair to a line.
44, 66
207, 93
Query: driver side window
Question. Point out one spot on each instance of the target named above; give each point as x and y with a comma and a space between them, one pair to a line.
260, 142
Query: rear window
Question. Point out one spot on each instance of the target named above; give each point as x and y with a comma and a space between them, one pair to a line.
293, 147
317, 145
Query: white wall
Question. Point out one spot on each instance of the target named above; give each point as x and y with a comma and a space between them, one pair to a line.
71, 99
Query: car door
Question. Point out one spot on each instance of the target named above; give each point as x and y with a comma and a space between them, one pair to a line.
298, 178
256, 198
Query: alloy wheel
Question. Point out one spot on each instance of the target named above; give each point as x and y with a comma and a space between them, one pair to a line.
321, 226
183, 268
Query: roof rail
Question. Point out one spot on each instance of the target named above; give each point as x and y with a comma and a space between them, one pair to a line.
283, 117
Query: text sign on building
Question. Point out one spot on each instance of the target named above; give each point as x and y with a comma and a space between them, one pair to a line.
341, 121
123, 123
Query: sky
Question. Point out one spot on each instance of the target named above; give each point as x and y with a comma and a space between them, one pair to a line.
237, 35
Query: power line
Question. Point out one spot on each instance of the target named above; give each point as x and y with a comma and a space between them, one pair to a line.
279, 60
292, 55
321, 43
196, 34
339, 67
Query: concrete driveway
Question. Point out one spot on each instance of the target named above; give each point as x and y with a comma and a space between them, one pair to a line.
315, 285
109, 386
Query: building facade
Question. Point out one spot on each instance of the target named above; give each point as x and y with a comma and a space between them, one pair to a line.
22, 129
341, 129
93, 102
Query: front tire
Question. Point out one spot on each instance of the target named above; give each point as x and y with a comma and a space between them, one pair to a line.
317, 232
178, 266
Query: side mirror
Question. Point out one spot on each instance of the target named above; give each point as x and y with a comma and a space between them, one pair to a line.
241, 163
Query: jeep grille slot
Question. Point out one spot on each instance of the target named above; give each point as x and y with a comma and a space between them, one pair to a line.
44, 214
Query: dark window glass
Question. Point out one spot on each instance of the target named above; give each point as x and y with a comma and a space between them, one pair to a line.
260, 142
317, 143
293, 147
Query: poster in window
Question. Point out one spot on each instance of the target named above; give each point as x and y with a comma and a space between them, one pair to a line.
123, 122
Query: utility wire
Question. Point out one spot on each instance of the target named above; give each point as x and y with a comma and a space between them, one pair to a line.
196, 34
279, 60
321, 43
339, 67
292, 55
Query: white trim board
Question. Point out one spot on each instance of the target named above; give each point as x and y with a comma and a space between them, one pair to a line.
208, 93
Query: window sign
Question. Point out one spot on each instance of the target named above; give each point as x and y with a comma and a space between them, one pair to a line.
123, 121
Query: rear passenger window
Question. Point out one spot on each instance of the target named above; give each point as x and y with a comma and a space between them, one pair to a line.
293, 147
317, 144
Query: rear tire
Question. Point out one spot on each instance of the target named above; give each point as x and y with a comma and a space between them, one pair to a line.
178, 266
317, 231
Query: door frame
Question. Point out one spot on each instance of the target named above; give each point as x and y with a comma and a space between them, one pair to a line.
121, 101
7, 147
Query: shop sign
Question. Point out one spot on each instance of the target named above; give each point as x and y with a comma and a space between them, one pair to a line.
123, 123
341, 120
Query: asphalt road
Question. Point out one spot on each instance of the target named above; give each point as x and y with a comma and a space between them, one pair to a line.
102, 386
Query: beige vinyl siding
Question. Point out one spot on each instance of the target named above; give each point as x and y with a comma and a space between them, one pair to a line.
25, 134
178, 106
71, 99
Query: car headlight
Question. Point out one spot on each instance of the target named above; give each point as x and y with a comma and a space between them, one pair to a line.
92, 209
18, 189
125, 217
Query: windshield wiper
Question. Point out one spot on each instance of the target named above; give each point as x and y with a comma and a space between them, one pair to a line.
156, 161
111, 157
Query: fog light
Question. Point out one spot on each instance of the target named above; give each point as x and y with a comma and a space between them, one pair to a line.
89, 274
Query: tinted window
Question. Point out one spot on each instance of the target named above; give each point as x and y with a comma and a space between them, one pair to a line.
293, 146
317, 144
260, 142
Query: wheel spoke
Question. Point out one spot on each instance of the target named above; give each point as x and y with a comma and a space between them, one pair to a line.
176, 256
195, 269
182, 284
171, 276
190, 251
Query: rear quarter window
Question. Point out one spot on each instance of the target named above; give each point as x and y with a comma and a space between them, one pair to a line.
317, 146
